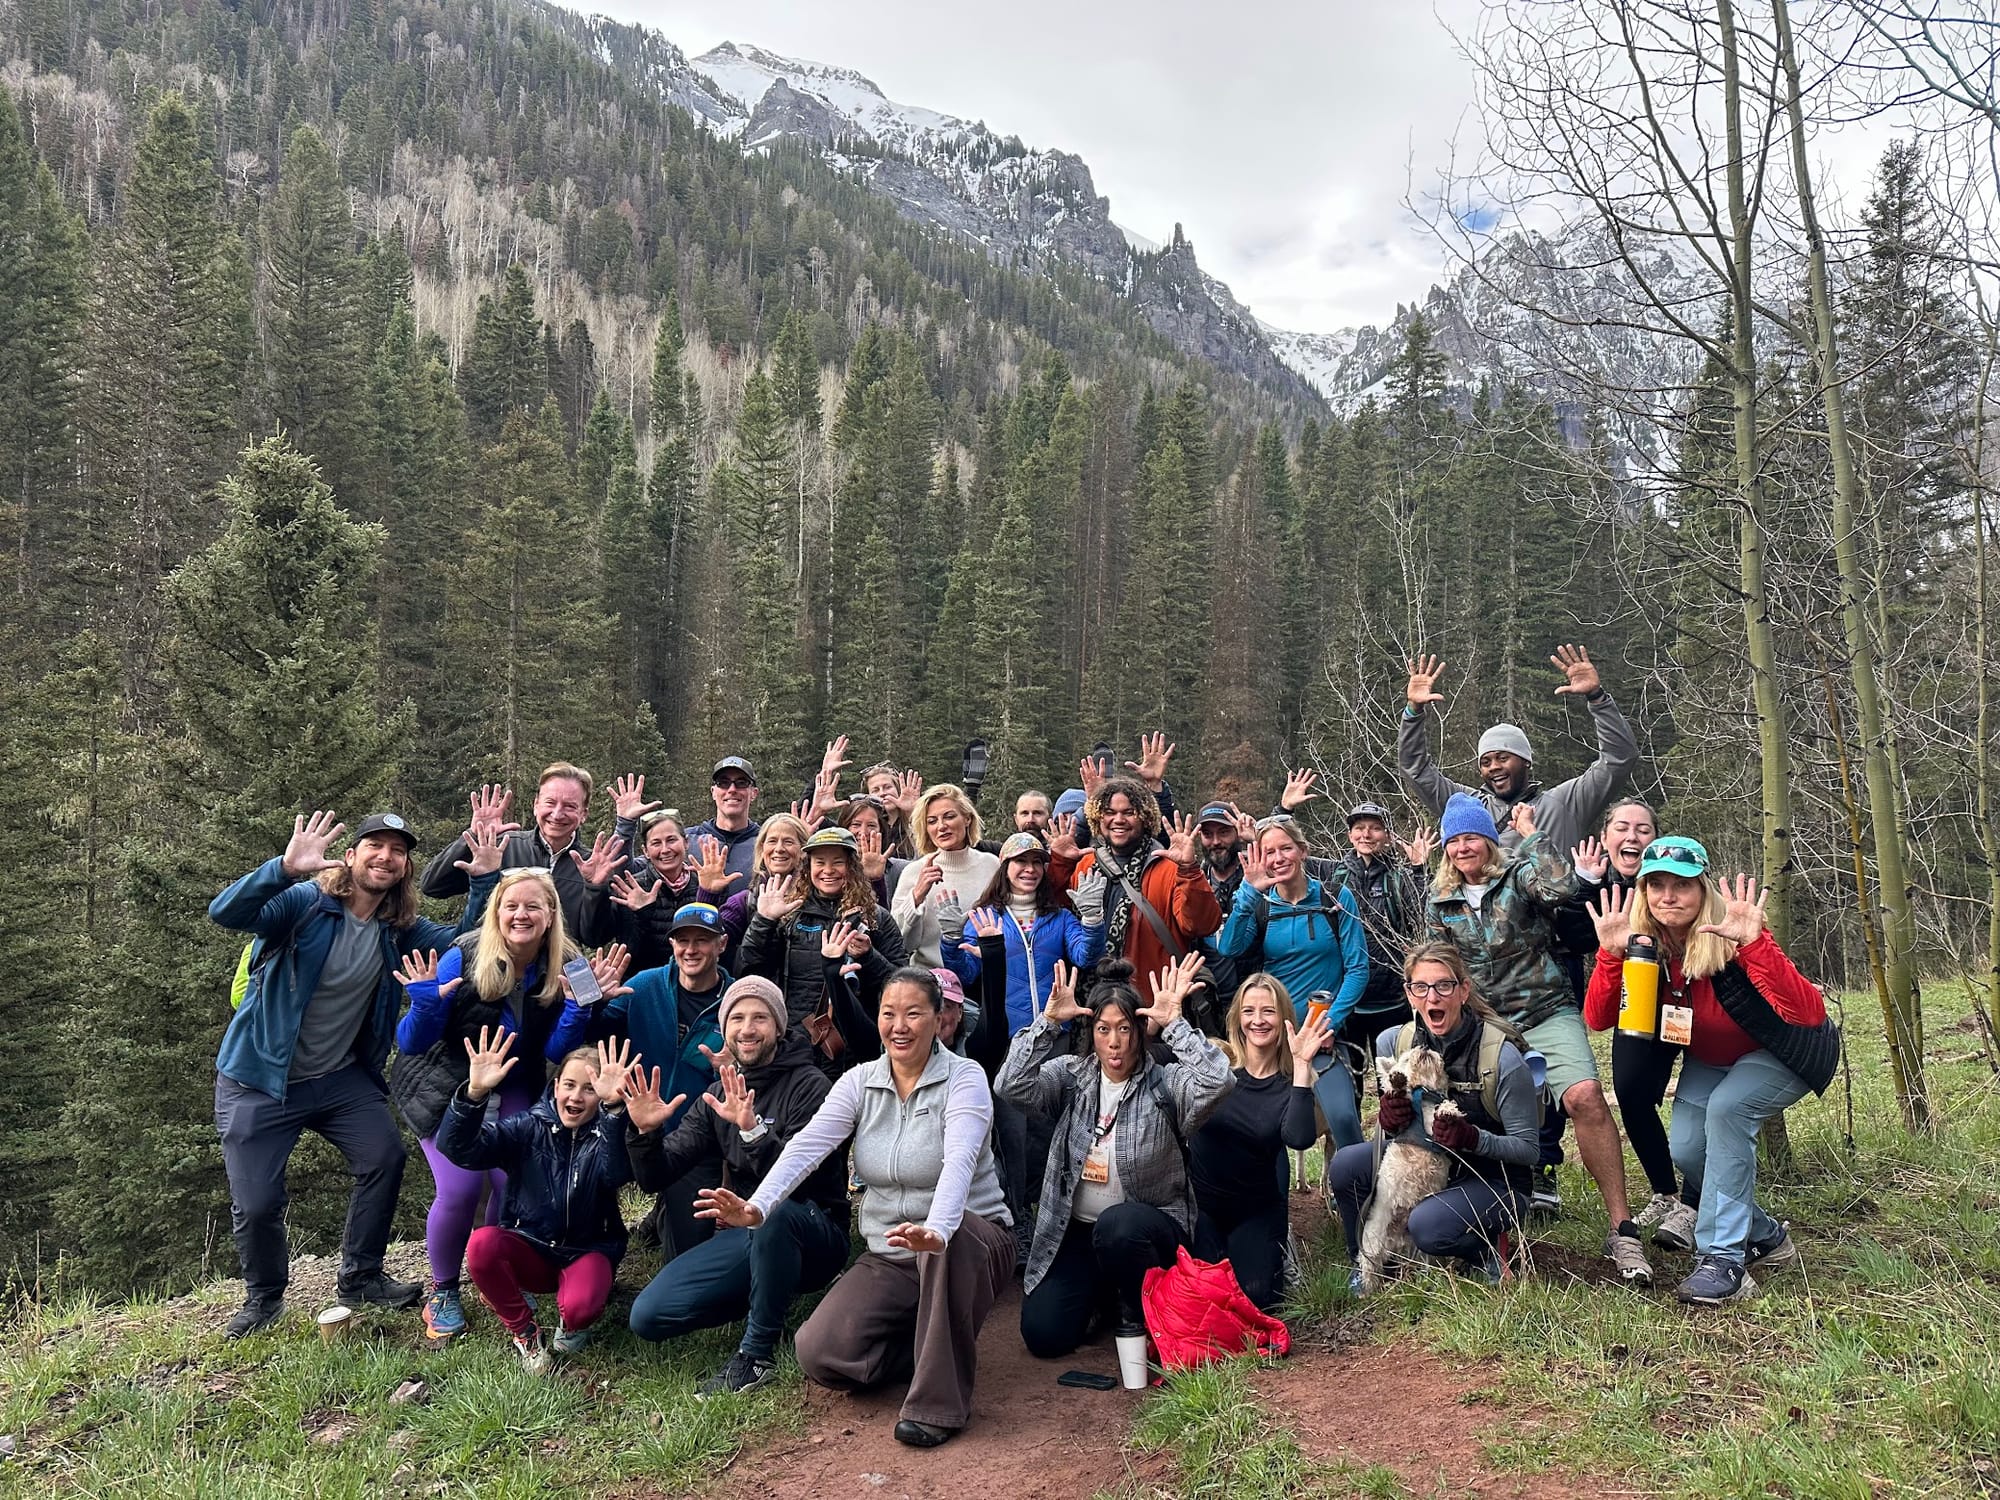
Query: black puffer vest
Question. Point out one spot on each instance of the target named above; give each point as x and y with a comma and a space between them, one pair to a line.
1812, 1052
421, 1086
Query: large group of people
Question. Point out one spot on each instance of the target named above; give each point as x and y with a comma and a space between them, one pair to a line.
1068, 1055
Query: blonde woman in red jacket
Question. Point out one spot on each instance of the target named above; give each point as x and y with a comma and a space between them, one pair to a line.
1757, 1036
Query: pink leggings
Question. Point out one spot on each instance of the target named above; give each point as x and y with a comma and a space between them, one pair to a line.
504, 1265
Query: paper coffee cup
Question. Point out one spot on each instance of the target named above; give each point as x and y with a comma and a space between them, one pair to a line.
334, 1323
1131, 1360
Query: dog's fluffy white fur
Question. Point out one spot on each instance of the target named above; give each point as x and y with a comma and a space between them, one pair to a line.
1410, 1169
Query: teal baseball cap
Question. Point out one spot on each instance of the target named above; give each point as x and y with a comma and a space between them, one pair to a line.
1674, 856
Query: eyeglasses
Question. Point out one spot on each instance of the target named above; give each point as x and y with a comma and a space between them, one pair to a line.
1444, 989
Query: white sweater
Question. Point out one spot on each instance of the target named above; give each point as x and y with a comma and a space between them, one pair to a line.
967, 873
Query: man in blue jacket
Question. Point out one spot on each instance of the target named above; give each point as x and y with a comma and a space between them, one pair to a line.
305, 1049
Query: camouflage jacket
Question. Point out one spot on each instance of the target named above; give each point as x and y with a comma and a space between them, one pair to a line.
1509, 941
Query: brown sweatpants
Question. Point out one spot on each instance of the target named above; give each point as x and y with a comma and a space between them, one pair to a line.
886, 1319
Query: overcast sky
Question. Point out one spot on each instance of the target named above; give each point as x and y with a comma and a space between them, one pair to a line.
1283, 136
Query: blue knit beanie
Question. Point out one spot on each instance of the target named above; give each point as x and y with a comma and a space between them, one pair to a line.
1070, 801
1465, 814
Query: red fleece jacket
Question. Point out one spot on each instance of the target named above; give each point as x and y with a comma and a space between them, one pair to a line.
1718, 1040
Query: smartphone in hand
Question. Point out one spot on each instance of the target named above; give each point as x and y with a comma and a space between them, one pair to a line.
583, 981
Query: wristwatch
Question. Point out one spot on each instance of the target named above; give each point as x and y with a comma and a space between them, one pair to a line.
756, 1131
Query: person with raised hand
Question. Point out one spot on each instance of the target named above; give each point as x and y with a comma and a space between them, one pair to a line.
1117, 1195
930, 899
1758, 1040
1305, 930
1241, 1173
940, 1239
868, 820
564, 1159
896, 793
673, 1015
732, 787
768, 1087
654, 885
783, 940
582, 872
779, 853
1498, 910
306, 1047
1157, 901
1565, 812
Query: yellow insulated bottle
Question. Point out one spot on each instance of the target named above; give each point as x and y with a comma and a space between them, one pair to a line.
1639, 1013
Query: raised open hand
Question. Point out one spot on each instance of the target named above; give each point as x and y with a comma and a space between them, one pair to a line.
1256, 874
738, 1104
1154, 754
874, 861
1307, 1042
909, 787
1170, 990
1299, 790
1611, 915
489, 808
1575, 664
1062, 837
1590, 859
985, 922
834, 760
489, 1062
1420, 848
484, 847
1089, 775
728, 1210
628, 893
711, 870
806, 810
605, 852
643, 1106
305, 853
1522, 818
778, 898
1062, 1004
615, 1066
423, 969
1743, 912
826, 792
833, 938
1424, 673
1183, 847
628, 798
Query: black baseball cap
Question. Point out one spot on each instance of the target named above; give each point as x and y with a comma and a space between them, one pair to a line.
394, 823
698, 916
1374, 810
732, 763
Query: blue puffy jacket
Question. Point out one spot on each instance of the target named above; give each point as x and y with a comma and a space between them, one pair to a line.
1031, 960
651, 1017
294, 921
562, 1184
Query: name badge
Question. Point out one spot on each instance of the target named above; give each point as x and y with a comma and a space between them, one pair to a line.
1677, 1024
1096, 1170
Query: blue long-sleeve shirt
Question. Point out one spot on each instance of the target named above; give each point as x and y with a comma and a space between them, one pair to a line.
1302, 948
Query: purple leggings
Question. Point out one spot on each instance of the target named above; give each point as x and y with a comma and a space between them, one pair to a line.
449, 1224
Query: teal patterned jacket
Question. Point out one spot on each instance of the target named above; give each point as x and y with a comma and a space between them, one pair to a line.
1509, 942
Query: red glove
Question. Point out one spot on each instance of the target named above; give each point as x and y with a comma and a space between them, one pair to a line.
1395, 1114
1454, 1132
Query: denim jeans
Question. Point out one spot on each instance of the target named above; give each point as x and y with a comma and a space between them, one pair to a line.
745, 1273
1333, 1087
1717, 1114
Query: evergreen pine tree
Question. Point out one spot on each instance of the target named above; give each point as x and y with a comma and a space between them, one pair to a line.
506, 370
1010, 665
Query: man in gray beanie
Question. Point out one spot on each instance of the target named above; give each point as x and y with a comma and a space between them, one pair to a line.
1566, 812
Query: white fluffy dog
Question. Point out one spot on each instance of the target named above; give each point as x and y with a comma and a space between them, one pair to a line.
1410, 1168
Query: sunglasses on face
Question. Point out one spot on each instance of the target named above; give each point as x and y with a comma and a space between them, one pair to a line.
734, 786
1677, 849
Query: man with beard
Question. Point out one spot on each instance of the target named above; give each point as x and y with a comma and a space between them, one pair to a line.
1566, 812
305, 1049
768, 1087
562, 801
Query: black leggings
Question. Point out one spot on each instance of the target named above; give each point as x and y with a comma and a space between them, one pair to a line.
1640, 1069
1253, 1243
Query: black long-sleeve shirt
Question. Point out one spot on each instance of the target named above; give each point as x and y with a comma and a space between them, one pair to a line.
1238, 1155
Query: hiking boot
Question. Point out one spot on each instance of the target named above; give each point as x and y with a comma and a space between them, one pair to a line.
744, 1372
1629, 1256
444, 1315
1780, 1250
1545, 1195
383, 1290
1656, 1211
1716, 1281
1676, 1230
569, 1341
1487, 1266
534, 1353
254, 1317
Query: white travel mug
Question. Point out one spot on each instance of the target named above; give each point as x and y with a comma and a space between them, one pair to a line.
334, 1323
1131, 1360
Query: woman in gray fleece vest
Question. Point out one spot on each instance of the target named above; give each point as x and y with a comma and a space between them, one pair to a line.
940, 1239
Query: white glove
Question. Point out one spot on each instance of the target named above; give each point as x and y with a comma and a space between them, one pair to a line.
1087, 896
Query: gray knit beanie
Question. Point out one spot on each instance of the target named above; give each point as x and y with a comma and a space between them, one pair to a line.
1507, 737
753, 989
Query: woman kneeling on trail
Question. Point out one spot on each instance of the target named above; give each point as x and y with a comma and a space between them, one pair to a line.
940, 1241
1494, 1139
1757, 1037
1117, 1197
565, 1162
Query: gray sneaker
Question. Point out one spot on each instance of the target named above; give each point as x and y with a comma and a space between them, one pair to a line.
1716, 1281
1629, 1256
569, 1341
1545, 1196
1656, 1210
1676, 1230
